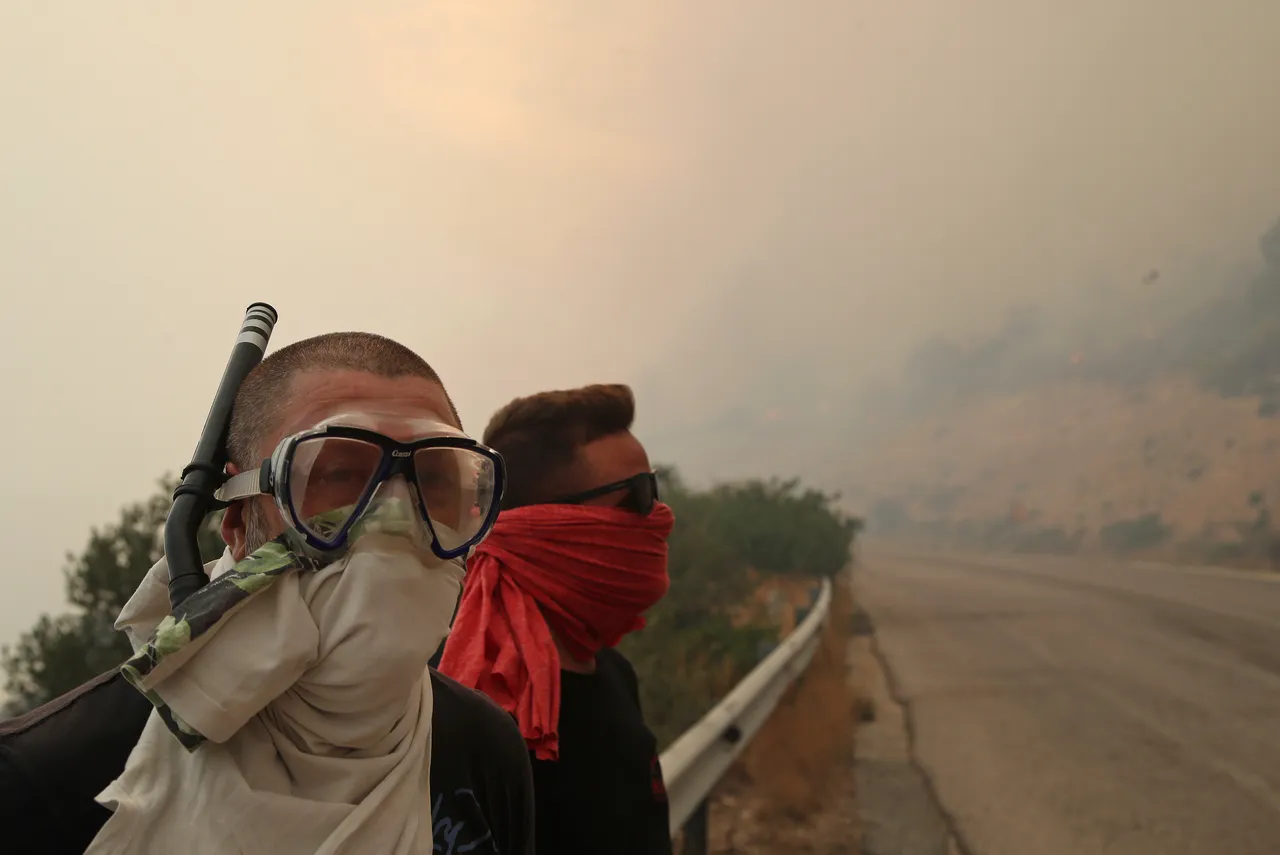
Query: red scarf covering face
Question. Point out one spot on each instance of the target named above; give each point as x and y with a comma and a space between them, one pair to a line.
586, 572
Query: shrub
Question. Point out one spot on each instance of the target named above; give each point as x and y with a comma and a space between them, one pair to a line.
1145, 532
726, 539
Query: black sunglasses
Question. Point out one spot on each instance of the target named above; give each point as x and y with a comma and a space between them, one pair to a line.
642, 493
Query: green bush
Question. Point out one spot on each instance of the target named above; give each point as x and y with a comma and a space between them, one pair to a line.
1052, 540
1145, 532
1255, 542
725, 539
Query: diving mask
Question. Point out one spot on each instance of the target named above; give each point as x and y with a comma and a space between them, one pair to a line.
325, 479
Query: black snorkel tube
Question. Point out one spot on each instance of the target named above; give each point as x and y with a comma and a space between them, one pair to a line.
194, 498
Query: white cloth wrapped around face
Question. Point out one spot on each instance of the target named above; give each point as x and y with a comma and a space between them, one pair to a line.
304, 712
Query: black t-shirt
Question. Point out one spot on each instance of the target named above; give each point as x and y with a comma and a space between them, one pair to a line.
605, 794
55, 759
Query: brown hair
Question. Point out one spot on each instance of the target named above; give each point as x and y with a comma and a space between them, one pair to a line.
539, 437
264, 393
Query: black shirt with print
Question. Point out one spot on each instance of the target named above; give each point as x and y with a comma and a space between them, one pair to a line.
605, 794
55, 759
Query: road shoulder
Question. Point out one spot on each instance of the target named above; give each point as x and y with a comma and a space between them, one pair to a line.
897, 810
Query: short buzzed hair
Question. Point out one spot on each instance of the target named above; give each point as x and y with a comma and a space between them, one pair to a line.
539, 437
265, 391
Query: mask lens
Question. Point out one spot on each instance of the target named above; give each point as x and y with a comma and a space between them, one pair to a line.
329, 477
642, 494
457, 486
645, 492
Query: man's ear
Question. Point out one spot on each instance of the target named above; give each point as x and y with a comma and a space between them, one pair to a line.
233, 527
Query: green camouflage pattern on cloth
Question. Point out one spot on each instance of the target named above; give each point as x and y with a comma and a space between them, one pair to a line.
391, 516
202, 611
216, 601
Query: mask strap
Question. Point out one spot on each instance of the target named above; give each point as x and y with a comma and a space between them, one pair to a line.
241, 486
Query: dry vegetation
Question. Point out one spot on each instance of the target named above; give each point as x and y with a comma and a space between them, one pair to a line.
1084, 456
792, 789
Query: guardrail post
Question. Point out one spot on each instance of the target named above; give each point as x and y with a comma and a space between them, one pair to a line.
695, 833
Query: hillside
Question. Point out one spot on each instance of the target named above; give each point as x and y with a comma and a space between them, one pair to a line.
1081, 455
1056, 434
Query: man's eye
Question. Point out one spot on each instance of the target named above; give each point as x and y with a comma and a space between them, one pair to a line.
338, 476
437, 481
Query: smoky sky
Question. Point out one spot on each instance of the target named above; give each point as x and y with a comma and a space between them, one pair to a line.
746, 209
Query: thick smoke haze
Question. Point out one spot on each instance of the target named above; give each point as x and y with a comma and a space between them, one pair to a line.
750, 210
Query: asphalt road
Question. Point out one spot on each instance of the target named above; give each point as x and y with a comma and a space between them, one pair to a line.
1071, 706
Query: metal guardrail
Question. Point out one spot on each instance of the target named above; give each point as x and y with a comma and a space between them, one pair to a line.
698, 759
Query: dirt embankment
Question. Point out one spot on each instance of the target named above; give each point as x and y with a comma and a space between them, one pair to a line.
793, 788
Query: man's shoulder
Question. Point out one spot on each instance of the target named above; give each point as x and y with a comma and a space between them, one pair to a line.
481, 781
456, 696
482, 719
610, 658
55, 759
104, 716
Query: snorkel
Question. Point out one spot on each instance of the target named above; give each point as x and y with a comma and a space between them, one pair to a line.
194, 498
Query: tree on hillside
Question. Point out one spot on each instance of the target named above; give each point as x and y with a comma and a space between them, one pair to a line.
61, 652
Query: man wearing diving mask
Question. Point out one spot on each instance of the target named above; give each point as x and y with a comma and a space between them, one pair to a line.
577, 556
294, 709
